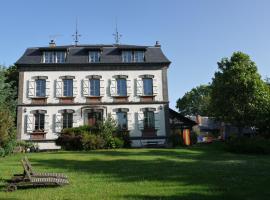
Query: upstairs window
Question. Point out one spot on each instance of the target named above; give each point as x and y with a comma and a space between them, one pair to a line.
94, 87
94, 56
67, 120
132, 56
60, 57
54, 57
68, 87
40, 88
147, 86
127, 56
121, 87
138, 56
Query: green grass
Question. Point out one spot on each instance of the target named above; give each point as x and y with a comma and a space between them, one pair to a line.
202, 172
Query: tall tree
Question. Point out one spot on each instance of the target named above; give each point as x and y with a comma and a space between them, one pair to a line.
239, 95
7, 109
195, 102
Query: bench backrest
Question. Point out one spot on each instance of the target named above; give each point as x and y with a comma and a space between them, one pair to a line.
28, 164
27, 173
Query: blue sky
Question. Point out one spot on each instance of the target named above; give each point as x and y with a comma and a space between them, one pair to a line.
194, 34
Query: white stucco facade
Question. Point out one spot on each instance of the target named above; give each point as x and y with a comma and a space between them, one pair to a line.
134, 104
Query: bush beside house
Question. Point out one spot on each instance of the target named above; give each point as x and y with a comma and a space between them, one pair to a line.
104, 136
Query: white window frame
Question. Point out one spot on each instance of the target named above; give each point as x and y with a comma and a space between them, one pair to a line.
98, 57
54, 56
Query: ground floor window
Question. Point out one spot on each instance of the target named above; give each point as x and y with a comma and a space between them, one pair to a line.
67, 120
93, 118
122, 120
149, 120
39, 121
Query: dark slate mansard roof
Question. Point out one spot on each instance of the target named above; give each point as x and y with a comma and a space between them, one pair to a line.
79, 54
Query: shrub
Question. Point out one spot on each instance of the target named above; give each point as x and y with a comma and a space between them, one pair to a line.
87, 138
2, 152
107, 129
78, 130
119, 143
9, 147
92, 142
70, 142
248, 145
27, 145
124, 136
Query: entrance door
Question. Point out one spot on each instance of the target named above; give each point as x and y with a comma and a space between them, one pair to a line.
94, 117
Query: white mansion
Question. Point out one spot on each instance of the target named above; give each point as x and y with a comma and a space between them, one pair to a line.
70, 86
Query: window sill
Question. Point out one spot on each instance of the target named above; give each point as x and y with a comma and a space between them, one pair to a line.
147, 95
38, 135
71, 97
120, 96
94, 97
39, 97
66, 99
38, 132
147, 98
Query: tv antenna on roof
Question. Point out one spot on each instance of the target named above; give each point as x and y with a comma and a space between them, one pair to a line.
116, 35
76, 35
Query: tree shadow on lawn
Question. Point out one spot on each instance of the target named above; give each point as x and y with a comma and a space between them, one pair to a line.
223, 175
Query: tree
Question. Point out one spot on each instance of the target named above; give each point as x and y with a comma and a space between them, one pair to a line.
239, 95
195, 102
7, 112
12, 77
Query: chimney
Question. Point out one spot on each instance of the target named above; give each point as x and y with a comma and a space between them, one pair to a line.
52, 43
157, 44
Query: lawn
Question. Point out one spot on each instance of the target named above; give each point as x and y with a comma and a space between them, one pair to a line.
201, 172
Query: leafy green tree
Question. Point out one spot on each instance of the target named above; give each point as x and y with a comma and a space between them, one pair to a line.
12, 77
7, 112
239, 95
195, 102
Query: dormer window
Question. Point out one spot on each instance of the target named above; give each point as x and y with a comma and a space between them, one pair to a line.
132, 56
138, 56
54, 57
94, 56
127, 56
